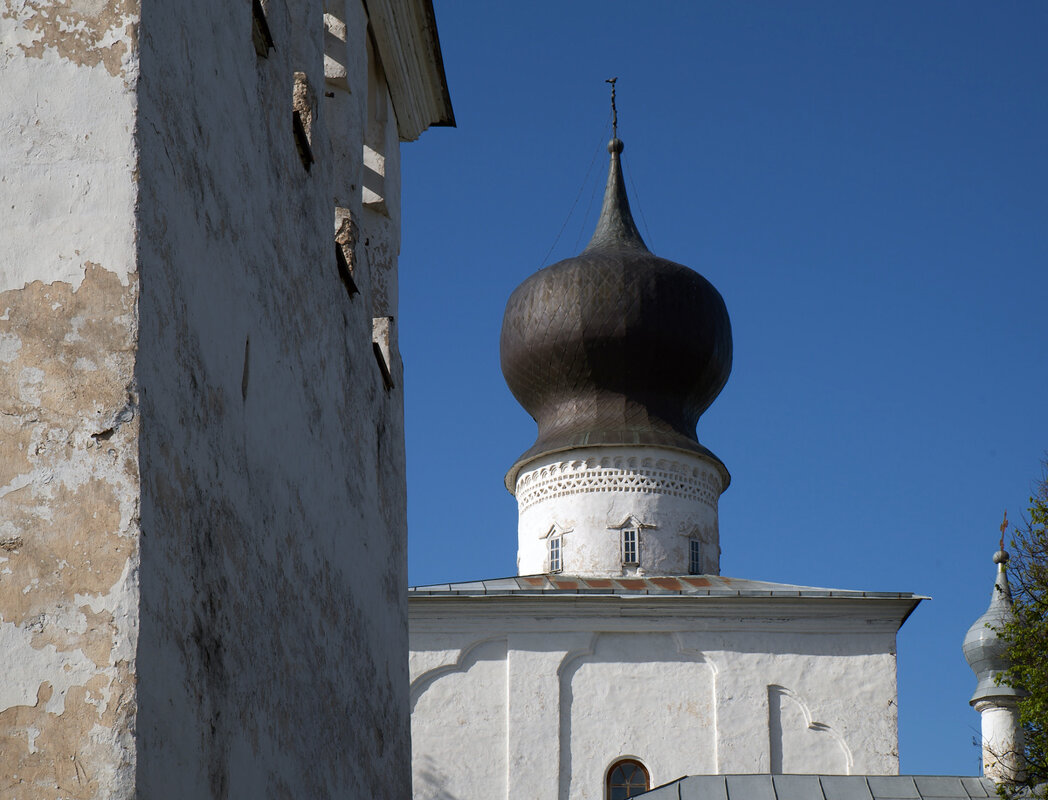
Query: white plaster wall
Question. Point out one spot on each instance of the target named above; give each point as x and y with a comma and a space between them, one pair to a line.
67, 140
796, 740
635, 694
588, 494
459, 727
843, 684
1002, 739
686, 688
273, 648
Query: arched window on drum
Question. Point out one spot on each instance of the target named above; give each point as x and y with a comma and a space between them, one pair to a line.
626, 778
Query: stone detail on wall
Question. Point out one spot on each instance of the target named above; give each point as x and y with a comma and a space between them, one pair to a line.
260, 33
618, 474
336, 69
450, 738
382, 344
346, 237
458, 661
304, 113
797, 743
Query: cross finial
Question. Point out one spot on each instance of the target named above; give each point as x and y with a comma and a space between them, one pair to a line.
614, 111
1004, 527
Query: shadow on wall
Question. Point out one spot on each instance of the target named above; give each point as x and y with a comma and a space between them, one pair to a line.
431, 783
798, 744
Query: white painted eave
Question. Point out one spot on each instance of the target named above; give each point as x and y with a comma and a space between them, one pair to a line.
882, 613
405, 35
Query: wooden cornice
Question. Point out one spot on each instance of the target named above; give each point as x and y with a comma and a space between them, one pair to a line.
405, 35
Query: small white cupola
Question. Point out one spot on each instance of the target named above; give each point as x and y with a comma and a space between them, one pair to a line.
997, 703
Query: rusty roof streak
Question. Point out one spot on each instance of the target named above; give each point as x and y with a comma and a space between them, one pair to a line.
654, 585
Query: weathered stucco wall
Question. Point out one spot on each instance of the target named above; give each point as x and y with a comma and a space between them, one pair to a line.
69, 420
684, 686
202, 537
272, 650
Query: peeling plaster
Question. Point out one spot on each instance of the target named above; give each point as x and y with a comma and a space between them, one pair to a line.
69, 537
85, 32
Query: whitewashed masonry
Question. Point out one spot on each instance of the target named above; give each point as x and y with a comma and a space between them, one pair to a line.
534, 686
594, 500
202, 490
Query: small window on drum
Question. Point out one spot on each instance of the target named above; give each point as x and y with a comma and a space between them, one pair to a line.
626, 778
555, 563
694, 557
630, 546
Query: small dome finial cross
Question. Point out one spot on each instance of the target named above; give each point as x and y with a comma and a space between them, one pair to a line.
614, 111
1000, 558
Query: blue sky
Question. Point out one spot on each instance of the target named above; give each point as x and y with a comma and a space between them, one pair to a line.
867, 186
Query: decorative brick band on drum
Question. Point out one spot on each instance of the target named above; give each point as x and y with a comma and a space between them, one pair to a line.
651, 476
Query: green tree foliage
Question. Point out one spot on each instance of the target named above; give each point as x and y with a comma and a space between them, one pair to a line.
1027, 637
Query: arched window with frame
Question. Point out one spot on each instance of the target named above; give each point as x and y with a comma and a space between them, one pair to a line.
626, 778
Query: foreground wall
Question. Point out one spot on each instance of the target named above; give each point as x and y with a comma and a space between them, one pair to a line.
271, 659
559, 689
202, 498
69, 421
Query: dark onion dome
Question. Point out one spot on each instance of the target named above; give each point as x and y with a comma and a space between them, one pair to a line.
984, 649
615, 346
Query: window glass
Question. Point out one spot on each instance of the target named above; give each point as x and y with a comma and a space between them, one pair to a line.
626, 778
630, 548
554, 554
695, 557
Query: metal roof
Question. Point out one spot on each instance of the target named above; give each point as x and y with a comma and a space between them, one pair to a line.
684, 585
825, 787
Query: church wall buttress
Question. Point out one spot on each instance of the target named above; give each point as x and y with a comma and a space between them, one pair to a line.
536, 705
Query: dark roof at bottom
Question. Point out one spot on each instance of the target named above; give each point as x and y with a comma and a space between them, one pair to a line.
825, 787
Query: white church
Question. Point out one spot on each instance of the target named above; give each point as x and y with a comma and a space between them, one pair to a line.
619, 659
